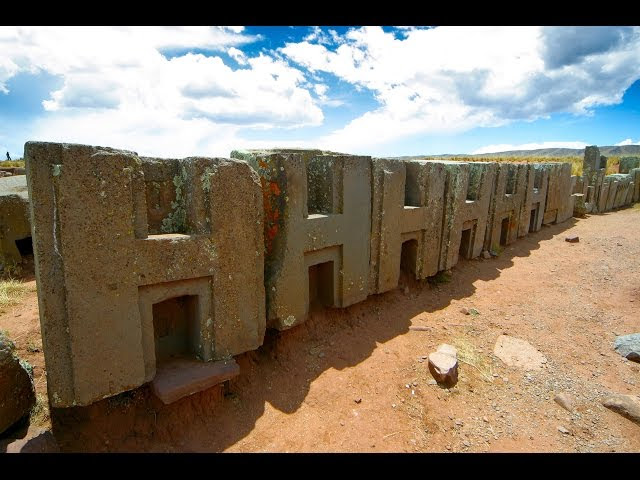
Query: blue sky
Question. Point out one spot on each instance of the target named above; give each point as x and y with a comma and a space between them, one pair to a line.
382, 91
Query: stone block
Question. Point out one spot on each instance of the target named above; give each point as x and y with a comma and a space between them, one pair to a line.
506, 208
468, 191
317, 210
139, 260
15, 225
559, 206
406, 220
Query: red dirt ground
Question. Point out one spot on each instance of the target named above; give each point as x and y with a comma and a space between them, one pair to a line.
338, 383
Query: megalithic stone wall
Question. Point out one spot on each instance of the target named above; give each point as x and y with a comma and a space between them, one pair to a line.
406, 220
505, 209
559, 205
535, 200
611, 194
468, 191
318, 224
139, 259
105, 263
603, 194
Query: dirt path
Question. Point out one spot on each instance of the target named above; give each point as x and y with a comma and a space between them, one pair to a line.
354, 380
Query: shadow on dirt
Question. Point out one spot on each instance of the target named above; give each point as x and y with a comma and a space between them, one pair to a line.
279, 373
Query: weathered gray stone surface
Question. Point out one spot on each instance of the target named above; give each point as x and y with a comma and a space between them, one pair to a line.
406, 220
591, 160
611, 194
628, 346
507, 205
626, 405
17, 393
518, 353
635, 174
318, 214
14, 217
468, 191
559, 206
140, 259
579, 207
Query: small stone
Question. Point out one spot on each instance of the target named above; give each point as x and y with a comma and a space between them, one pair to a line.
357, 400
485, 419
393, 405
431, 381
572, 238
566, 401
342, 423
464, 310
626, 405
415, 384
321, 355
444, 368
486, 255
505, 379
563, 430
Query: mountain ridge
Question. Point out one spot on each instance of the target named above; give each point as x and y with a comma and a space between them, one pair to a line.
608, 151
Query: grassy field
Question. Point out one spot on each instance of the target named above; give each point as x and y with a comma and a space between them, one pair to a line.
576, 162
12, 163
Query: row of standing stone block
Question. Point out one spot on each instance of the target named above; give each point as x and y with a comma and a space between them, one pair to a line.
139, 258
340, 227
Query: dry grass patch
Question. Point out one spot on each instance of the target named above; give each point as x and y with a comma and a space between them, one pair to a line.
470, 355
11, 291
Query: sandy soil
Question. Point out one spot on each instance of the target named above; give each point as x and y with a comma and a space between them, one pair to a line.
355, 380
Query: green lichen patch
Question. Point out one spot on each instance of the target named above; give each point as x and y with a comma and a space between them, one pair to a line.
176, 221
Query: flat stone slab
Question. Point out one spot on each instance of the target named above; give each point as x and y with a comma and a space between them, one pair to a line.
628, 346
626, 405
182, 377
518, 353
572, 238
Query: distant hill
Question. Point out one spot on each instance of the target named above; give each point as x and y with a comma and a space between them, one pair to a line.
614, 151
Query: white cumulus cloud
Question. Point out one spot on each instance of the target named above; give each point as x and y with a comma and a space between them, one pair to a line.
141, 88
451, 79
627, 141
